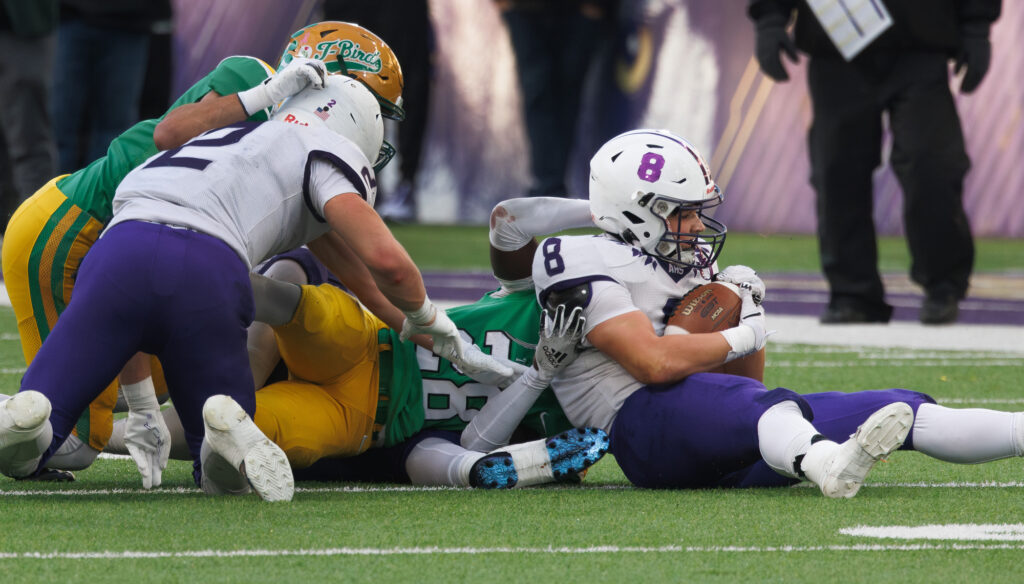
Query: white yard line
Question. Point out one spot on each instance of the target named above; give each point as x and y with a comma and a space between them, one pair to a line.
1008, 340
552, 550
414, 489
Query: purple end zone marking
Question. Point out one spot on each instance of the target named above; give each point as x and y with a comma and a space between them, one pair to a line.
470, 286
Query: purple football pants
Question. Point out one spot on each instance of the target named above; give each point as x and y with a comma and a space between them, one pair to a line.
837, 416
175, 293
692, 433
702, 431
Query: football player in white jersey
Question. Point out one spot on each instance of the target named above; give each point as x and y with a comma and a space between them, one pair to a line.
670, 424
170, 277
961, 436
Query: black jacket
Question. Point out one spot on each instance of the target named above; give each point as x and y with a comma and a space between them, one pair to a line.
917, 24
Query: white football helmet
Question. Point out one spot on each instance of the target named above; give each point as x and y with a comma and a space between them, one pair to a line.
345, 106
639, 179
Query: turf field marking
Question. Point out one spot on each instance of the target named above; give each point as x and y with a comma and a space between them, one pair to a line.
980, 400
423, 489
881, 362
956, 531
420, 551
887, 352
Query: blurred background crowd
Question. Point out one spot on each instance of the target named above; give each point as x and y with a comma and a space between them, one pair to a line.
484, 81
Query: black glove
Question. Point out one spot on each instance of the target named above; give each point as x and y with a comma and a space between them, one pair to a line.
975, 55
771, 39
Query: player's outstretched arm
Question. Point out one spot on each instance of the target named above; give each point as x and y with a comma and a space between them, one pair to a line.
560, 333
400, 281
339, 258
214, 110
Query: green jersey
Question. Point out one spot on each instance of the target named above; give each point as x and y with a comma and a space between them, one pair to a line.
425, 391
92, 188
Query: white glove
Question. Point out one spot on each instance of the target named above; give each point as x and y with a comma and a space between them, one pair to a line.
750, 335
744, 277
559, 342
448, 343
146, 434
473, 354
291, 79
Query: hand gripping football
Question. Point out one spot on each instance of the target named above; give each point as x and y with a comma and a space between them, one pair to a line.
707, 308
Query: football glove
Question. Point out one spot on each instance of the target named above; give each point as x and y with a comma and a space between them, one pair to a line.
146, 434
293, 78
750, 335
559, 342
448, 343
744, 277
488, 376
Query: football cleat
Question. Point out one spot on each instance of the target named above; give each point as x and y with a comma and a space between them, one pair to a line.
840, 469
232, 437
25, 433
561, 458
50, 475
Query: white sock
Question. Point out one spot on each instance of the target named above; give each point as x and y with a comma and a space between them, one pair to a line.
968, 436
439, 462
74, 454
783, 434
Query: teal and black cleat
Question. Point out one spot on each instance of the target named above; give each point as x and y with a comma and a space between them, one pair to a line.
494, 471
574, 451
561, 458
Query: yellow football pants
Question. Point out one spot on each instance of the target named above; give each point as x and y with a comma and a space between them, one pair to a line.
43, 247
327, 407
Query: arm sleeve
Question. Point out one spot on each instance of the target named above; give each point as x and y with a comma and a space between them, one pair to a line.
493, 426
515, 222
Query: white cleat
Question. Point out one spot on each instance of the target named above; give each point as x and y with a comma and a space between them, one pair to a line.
232, 435
840, 469
25, 432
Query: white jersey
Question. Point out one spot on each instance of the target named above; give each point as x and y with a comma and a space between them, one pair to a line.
623, 279
259, 187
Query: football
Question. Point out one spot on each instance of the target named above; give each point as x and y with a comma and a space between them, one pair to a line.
707, 308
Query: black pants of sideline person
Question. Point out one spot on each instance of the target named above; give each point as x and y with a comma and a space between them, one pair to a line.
928, 158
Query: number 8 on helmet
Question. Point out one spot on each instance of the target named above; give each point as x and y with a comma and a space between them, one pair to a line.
642, 183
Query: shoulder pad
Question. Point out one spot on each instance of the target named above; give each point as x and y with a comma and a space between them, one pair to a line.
571, 296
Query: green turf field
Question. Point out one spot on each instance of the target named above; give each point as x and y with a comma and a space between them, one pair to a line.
105, 528
465, 247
